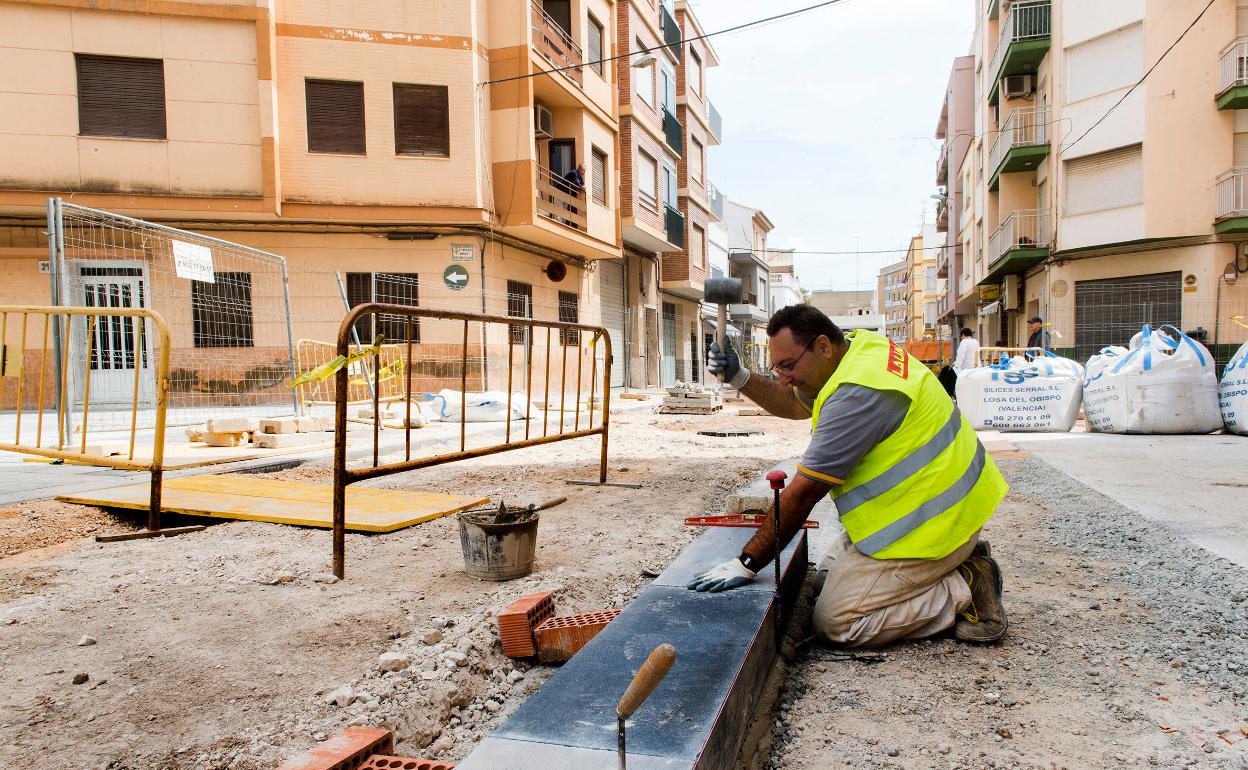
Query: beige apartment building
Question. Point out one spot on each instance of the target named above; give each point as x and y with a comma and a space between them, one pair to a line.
358, 139
666, 125
893, 300
923, 285
1095, 209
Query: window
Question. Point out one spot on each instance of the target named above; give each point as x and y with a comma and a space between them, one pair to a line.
519, 305
593, 47
645, 79
221, 312
1107, 180
695, 71
119, 96
391, 288
598, 176
335, 116
695, 160
422, 123
1088, 69
569, 312
647, 180
697, 246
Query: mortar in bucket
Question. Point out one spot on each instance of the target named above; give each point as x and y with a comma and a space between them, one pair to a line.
499, 544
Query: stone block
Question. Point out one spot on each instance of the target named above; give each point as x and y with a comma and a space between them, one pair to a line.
195, 433
284, 440
225, 439
314, 424
233, 425
280, 425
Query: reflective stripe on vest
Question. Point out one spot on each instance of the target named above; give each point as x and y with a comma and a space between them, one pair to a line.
910, 465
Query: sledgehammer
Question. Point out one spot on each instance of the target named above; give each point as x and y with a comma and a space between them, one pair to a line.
648, 677
722, 292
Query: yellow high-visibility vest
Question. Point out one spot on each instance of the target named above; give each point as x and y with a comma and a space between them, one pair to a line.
924, 490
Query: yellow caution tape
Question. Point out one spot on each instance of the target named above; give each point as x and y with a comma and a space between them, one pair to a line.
327, 370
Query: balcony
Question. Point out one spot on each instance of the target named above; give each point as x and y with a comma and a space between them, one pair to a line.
943, 256
1020, 242
1232, 211
674, 226
942, 166
671, 30
1021, 145
560, 201
715, 199
716, 123
1233, 83
1023, 44
554, 43
673, 131
942, 216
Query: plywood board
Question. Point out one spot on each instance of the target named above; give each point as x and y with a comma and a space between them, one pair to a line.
284, 502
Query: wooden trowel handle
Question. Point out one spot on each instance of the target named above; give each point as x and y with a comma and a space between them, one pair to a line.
551, 503
651, 673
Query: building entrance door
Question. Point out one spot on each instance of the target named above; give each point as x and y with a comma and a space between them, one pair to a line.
117, 347
668, 368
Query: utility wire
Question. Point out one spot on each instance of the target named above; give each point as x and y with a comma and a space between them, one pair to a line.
1160, 59
683, 40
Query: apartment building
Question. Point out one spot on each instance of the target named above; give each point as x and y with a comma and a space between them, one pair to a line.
924, 286
360, 139
849, 310
785, 289
748, 229
1098, 215
956, 129
893, 300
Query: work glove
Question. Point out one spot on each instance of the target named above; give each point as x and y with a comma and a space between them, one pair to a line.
730, 574
726, 365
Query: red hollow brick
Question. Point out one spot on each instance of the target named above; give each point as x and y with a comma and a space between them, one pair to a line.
517, 623
558, 639
348, 750
386, 762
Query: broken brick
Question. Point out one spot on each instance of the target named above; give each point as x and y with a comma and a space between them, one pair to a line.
558, 639
517, 623
383, 762
345, 751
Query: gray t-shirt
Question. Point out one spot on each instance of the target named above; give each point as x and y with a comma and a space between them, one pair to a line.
853, 420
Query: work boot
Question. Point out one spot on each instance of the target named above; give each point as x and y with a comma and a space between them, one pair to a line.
984, 620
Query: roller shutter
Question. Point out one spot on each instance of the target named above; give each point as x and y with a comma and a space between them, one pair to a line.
1107, 180
611, 289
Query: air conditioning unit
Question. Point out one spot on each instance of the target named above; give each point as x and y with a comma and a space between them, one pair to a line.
1010, 289
543, 122
1018, 86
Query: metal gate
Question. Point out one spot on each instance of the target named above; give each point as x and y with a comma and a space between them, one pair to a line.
668, 355
611, 286
652, 347
1111, 311
227, 307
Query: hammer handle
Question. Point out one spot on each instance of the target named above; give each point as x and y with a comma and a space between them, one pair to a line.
651, 673
721, 333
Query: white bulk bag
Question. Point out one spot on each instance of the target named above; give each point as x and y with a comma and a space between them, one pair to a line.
1022, 396
490, 406
1160, 385
1233, 392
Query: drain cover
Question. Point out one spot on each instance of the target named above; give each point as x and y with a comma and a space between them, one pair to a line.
730, 432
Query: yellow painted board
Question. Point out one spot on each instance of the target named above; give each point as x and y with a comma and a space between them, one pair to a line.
284, 502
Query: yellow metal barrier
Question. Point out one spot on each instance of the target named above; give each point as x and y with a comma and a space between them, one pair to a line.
518, 336
103, 326
310, 354
991, 355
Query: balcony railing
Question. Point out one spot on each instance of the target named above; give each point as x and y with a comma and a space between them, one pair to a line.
671, 30
560, 200
1025, 229
1232, 191
674, 225
716, 122
553, 42
672, 131
942, 165
942, 215
1234, 66
1024, 21
715, 199
1028, 127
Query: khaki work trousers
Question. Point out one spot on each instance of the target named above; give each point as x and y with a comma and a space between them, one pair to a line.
868, 602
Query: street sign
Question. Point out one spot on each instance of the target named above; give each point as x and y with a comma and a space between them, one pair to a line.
455, 277
461, 252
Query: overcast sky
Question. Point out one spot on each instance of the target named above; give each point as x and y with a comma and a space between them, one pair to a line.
828, 122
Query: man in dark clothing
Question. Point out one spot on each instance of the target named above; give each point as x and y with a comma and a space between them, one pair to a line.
1039, 336
573, 183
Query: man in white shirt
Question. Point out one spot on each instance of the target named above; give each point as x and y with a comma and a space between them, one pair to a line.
967, 350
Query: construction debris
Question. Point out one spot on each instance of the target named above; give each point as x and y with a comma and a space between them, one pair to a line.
747, 411
730, 432
517, 624
690, 399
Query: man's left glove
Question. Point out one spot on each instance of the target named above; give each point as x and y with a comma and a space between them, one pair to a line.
730, 574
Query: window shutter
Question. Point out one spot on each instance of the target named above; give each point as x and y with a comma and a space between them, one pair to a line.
1241, 149
599, 177
335, 116
1105, 64
421, 120
1107, 180
1241, 18
120, 96
593, 47
647, 178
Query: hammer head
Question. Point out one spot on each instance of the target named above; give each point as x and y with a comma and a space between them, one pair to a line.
722, 291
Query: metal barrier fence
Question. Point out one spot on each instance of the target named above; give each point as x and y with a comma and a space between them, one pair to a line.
227, 308
991, 355
525, 349
100, 340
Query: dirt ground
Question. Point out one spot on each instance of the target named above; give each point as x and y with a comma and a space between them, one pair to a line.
224, 648
231, 648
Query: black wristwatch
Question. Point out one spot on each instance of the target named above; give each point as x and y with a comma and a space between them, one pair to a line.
749, 562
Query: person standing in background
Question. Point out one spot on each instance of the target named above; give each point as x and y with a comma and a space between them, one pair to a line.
968, 348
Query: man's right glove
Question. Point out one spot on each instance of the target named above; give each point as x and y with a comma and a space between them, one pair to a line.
722, 577
726, 365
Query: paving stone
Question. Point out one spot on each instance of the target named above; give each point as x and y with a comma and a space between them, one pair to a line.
233, 425
280, 441
224, 439
282, 425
